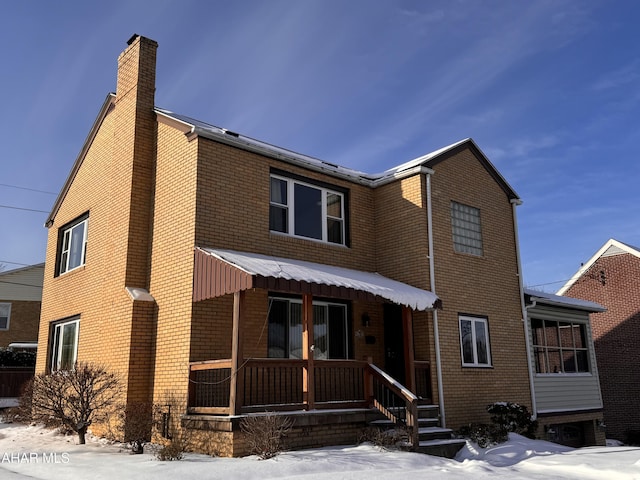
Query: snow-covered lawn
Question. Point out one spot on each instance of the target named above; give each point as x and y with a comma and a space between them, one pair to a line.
34, 452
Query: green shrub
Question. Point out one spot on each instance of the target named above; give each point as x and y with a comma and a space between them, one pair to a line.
485, 435
9, 358
513, 417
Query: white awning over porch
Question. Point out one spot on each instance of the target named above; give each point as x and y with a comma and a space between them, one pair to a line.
235, 271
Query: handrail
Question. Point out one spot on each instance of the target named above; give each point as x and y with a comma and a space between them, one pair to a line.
381, 390
410, 400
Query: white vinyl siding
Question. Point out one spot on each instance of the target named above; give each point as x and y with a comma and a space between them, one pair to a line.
567, 391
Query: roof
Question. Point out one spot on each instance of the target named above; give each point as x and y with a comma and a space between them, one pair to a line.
107, 105
610, 248
560, 301
220, 272
191, 126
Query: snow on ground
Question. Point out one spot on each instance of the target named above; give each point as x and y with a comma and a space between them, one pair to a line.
35, 452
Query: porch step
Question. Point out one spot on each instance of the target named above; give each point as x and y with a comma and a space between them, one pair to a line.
447, 448
433, 439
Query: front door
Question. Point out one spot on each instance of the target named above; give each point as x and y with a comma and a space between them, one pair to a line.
394, 363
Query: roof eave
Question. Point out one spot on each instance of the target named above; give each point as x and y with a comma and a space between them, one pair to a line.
587, 265
106, 106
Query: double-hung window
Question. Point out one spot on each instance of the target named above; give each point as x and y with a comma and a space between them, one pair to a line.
560, 347
64, 345
5, 315
474, 342
466, 229
330, 329
72, 245
306, 210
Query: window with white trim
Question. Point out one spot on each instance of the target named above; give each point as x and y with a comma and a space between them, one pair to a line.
560, 347
474, 342
466, 229
306, 210
5, 315
330, 329
64, 344
72, 245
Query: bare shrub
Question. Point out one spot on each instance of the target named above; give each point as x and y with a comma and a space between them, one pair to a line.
75, 398
397, 437
178, 438
131, 423
265, 433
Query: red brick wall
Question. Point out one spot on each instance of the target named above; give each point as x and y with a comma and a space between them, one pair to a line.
616, 334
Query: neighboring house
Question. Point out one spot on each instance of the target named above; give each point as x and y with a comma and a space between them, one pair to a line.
223, 276
611, 277
564, 369
20, 299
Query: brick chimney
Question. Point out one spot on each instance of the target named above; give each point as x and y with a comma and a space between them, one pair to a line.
132, 164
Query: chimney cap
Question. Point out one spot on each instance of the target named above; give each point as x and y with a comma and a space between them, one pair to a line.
132, 39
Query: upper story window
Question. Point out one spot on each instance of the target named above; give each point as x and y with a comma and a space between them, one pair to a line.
474, 342
330, 329
64, 345
72, 245
5, 315
466, 229
306, 210
560, 347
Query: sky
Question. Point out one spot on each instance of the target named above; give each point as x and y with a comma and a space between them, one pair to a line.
32, 452
549, 90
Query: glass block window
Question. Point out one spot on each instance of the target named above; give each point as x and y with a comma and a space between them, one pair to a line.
466, 229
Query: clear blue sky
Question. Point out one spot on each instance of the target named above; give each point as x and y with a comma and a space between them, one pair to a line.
549, 90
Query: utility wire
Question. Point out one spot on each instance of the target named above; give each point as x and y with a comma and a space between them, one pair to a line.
15, 263
25, 209
25, 188
21, 284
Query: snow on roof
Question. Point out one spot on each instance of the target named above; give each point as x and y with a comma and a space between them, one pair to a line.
199, 127
569, 302
317, 273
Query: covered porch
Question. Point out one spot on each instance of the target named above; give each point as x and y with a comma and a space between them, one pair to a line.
240, 385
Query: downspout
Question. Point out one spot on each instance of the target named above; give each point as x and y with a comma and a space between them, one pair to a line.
525, 319
432, 283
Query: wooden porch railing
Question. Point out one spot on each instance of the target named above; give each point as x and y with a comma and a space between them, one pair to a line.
277, 385
13, 379
394, 400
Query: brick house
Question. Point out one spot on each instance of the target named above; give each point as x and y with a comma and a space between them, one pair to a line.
20, 300
611, 277
233, 277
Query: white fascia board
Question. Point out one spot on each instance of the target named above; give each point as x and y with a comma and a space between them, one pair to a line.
587, 265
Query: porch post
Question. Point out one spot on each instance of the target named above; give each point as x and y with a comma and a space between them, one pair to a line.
409, 354
236, 385
308, 384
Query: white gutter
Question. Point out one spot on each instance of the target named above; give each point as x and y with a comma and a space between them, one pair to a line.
432, 285
525, 320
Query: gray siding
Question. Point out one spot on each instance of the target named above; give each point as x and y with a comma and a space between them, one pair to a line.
566, 392
23, 284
